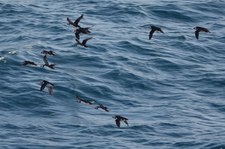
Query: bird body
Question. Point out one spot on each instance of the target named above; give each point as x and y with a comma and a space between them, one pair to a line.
199, 29
100, 106
80, 100
25, 63
50, 86
118, 119
48, 52
81, 30
45, 59
153, 29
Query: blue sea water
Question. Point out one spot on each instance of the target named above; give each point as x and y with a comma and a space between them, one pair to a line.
171, 88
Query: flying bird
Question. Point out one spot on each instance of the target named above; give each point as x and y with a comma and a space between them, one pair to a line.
119, 118
25, 63
83, 43
200, 29
50, 86
100, 106
80, 100
76, 22
153, 29
45, 59
48, 52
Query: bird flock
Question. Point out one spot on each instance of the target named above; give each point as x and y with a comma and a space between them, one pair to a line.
78, 32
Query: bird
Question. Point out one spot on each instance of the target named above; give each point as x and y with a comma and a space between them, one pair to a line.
81, 30
80, 100
76, 22
119, 118
25, 63
153, 29
45, 59
102, 107
200, 29
83, 43
50, 86
48, 52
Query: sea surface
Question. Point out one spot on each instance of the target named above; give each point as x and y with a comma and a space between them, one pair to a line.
171, 88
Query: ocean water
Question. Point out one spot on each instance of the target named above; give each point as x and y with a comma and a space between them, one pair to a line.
171, 88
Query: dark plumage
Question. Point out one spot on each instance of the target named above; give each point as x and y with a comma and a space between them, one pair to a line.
84, 30
45, 59
50, 86
48, 52
77, 34
25, 63
81, 30
76, 22
119, 118
83, 43
200, 29
80, 100
102, 107
153, 29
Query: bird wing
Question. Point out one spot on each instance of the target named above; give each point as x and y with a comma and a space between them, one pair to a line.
70, 22
85, 41
51, 53
78, 41
126, 122
44, 83
161, 30
151, 34
197, 34
32, 63
45, 59
205, 30
78, 20
50, 90
51, 66
97, 107
44, 52
77, 34
117, 123
106, 109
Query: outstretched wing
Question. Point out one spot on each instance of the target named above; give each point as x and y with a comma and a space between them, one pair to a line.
126, 122
44, 83
202, 29
161, 30
117, 123
78, 20
45, 59
77, 34
85, 41
197, 34
70, 22
151, 34
51, 53
50, 90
